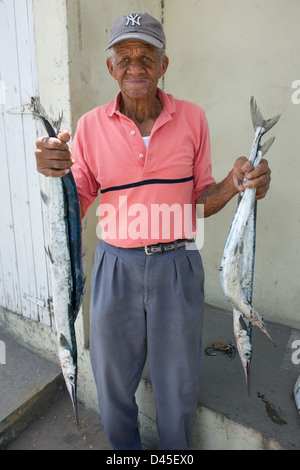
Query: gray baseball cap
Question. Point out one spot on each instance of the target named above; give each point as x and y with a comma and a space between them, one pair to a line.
140, 26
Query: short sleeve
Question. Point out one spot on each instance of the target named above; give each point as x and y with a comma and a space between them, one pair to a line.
87, 186
202, 160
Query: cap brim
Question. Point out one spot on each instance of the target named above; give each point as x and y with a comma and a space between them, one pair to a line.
140, 37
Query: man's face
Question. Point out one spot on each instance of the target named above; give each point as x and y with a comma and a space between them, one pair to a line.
137, 68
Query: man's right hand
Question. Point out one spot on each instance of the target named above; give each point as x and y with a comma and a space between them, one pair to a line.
53, 156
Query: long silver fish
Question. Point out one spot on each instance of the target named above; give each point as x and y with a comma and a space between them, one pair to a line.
241, 325
237, 265
66, 263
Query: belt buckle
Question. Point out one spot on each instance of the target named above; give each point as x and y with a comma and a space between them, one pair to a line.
146, 248
156, 249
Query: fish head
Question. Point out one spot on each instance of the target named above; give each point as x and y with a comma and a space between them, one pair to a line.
246, 363
244, 346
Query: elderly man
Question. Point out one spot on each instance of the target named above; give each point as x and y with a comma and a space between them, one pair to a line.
149, 155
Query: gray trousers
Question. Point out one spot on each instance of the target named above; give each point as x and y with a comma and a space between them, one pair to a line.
143, 305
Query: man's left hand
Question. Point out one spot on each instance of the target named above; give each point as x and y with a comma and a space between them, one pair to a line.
258, 178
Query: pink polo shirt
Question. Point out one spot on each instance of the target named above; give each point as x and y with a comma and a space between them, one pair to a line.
147, 194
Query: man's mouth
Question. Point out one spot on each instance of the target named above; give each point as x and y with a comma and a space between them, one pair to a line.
136, 81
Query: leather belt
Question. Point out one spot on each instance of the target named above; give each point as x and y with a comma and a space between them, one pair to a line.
160, 248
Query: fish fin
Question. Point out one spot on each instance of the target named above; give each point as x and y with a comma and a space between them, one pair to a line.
264, 148
257, 118
48, 253
57, 124
45, 198
72, 313
40, 113
236, 249
244, 325
74, 310
271, 122
63, 342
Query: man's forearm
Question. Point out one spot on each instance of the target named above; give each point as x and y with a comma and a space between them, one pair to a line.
216, 196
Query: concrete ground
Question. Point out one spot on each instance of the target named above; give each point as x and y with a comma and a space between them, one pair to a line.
56, 430
227, 418
36, 412
270, 410
35, 408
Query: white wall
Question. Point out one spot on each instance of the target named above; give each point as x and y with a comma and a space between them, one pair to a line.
228, 51
221, 52
89, 23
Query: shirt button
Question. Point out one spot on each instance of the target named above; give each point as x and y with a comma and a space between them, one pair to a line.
132, 132
141, 155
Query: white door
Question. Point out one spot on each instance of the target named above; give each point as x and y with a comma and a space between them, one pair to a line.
24, 283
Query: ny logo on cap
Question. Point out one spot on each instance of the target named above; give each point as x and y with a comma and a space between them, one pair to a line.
132, 20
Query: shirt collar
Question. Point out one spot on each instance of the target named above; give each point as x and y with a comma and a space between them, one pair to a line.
167, 101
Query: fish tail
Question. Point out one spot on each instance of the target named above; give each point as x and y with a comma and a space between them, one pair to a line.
266, 146
257, 117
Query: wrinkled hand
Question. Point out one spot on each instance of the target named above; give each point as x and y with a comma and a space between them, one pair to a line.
258, 178
53, 156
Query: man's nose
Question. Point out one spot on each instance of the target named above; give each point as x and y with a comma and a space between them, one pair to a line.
135, 68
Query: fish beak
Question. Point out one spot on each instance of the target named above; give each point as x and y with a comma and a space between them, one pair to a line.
72, 392
260, 324
74, 403
268, 336
247, 374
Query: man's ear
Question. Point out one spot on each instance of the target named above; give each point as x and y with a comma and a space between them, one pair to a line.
110, 67
164, 66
